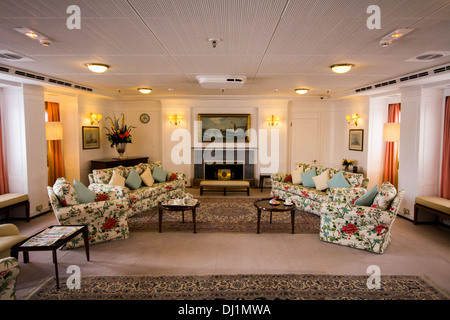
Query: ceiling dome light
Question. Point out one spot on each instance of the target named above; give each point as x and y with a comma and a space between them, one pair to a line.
301, 90
341, 68
97, 67
145, 90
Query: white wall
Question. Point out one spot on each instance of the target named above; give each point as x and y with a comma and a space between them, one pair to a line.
190, 109
25, 146
334, 128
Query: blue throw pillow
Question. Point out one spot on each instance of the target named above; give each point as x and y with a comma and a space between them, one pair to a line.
367, 199
307, 180
84, 195
338, 181
133, 180
159, 174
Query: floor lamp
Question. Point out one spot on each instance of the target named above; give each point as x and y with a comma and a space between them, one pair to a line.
391, 133
53, 131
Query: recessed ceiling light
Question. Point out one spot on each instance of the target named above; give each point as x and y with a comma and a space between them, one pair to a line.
97, 67
341, 68
145, 90
301, 90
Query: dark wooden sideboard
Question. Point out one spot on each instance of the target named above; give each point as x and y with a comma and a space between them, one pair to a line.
114, 162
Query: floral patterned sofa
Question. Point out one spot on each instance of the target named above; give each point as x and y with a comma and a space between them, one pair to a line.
362, 227
143, 198
310, 199
9, 270
106, 217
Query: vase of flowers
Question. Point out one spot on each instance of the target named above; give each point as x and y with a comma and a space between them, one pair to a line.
119, 135
347, 163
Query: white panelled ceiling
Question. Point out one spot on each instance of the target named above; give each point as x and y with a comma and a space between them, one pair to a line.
276, 44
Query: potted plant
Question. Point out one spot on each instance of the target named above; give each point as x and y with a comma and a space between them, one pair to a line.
119, 134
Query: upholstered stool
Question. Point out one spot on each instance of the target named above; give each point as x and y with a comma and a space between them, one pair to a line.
12, 200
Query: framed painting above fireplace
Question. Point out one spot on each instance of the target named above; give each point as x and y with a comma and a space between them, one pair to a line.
228, 127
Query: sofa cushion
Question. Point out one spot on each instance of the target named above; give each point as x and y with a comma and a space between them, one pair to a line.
321, 180
147, 177
355, 179
65, 192
105, 175
133, 180
385, 196
117, 179
338, 181
159, 174
367, 198
297, 175
84, 195
307, 176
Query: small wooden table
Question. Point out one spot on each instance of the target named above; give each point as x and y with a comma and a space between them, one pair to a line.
53, 247
263, 176
182, 208
263, 204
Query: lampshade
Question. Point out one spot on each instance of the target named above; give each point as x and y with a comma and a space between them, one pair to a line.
391, 132
53, 130
97, 67
341, 68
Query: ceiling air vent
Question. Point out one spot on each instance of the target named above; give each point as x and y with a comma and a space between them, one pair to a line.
221, 82
12, 56
429, 56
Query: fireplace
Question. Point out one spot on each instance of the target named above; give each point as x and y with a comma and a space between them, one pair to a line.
242, 167
224, 171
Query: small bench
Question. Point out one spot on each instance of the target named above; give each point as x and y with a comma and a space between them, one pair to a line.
9, 201
235, 185
435, 205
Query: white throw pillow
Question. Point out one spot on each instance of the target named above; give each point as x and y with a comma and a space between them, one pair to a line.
297, 175
321, 180
117, 179
147, 177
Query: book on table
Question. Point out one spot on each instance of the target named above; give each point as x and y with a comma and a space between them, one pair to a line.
50, 235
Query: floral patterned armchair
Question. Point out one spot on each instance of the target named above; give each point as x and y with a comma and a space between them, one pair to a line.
361, 227
106, 218
9, 270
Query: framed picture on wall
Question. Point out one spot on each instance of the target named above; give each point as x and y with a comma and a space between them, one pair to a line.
91, 137
356, 139
225, 126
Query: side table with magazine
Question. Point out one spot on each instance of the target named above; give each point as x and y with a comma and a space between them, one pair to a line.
51, 238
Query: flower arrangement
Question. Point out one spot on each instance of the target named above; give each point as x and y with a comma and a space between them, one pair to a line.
346, 163
118, 134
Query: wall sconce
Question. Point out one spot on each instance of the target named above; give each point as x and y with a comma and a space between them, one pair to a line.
273, 122
175, 120
353, 119
95, 118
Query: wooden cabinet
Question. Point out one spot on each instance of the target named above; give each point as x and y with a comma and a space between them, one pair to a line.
114, 162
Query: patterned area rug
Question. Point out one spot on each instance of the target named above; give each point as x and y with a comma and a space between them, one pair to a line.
224, 215
245, 287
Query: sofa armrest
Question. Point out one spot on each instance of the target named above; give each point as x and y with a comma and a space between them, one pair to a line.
361, 214
112, 192
281, 177
8, 229
172, 176
88, 211
9, 270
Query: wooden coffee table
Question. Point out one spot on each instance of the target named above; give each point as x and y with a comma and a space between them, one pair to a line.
21, 246
264, 205
163, 207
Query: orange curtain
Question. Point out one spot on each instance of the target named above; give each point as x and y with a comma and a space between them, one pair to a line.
390, 160
445, 172
54, 148
3, 178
